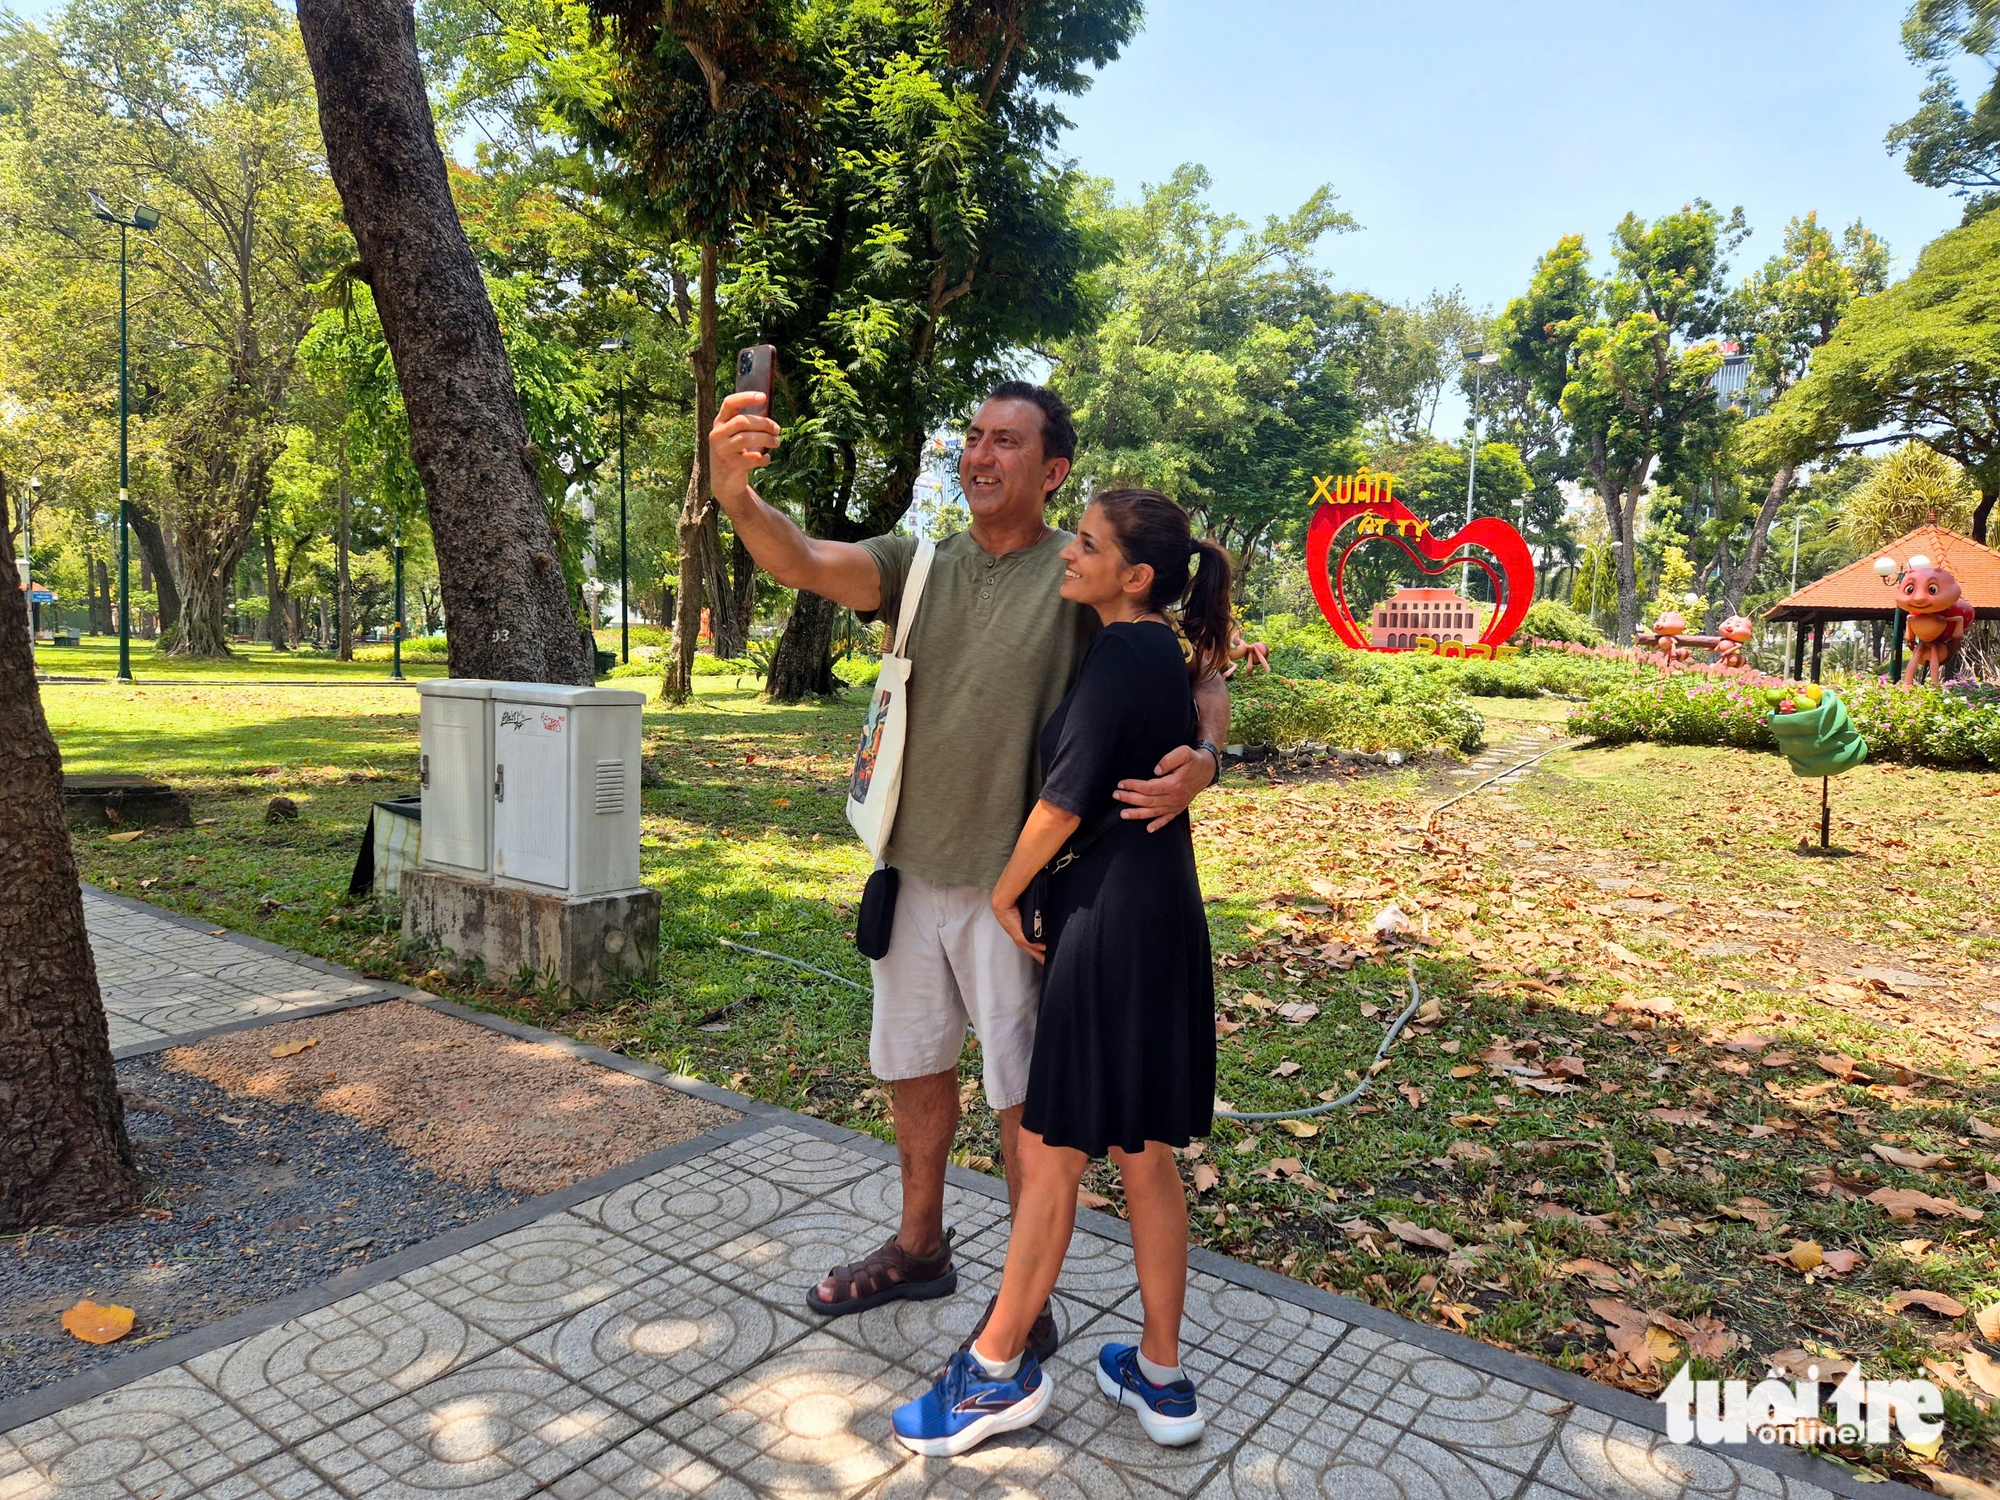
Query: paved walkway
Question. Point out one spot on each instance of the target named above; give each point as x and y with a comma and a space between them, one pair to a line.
643, 1334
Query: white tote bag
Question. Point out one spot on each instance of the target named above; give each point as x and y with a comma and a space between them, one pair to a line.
877, 783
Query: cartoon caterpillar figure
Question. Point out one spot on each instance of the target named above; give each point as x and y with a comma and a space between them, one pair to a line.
1939, 618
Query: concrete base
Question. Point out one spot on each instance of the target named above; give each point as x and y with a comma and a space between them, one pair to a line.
580, 942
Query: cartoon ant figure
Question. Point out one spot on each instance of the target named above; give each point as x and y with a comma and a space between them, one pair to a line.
1732, 636
1667, 631
1939, 618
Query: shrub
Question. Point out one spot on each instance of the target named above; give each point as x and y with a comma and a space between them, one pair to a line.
423, 648
858, 671
1551, 620
1407, 713
1922, 725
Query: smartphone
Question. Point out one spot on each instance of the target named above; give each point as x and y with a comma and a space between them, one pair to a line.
756, 368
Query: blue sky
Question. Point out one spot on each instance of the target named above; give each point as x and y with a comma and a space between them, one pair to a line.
1466, 135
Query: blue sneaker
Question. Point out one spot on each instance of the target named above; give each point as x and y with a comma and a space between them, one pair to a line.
1167, 1412
967, 1406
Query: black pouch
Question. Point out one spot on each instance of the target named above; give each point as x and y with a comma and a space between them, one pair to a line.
878, 913
1034, 907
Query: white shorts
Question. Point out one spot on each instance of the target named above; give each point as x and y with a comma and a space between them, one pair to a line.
950, 963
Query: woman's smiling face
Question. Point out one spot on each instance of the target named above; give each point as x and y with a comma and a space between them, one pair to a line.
1095, 571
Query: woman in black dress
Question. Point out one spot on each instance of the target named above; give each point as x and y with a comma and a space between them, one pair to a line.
1124, 1057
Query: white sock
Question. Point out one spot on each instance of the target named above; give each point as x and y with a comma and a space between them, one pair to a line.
1158, 1374
997, 1370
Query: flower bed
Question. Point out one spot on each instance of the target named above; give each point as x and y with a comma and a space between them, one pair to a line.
1923, 725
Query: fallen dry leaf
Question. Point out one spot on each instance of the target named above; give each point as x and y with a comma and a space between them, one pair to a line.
1904, 1204
1285, 1069
1937, 1302
1087, 1199
121, 838
1465, 1070
1625, 955
1418, 1237
1983, 1370
1981, 1129
1840, 1262
293, 1049
1205, 1177
1956, 1486
1796, 1364
1305, 1130
1596, 1272
97, 1325
1838, 1064
1805, 1255
1916, 1161
1988, 1321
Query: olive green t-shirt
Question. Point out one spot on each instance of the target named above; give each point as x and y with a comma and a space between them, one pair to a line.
992, 651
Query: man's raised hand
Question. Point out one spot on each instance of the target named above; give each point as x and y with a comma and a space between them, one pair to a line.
739, 443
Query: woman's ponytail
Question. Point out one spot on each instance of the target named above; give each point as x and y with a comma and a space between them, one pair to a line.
1188, 574
1206, 616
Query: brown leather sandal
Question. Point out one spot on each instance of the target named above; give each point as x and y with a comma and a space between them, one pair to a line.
886, 1275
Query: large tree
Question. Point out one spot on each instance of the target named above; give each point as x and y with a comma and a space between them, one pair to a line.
203, 112
710, 102
1222, 370
1628, 357
1947, 144
498, 557
1919, 361
64, 1155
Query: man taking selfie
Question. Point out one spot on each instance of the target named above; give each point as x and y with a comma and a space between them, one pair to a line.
994, 648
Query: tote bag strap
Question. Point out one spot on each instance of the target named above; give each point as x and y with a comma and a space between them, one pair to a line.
913, 592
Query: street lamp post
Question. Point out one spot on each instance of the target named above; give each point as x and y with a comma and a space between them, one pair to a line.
28, 551
624, 589
145, 219
396, 633
1481, 361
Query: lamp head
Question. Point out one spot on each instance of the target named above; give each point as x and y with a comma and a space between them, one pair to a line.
1489, 359
612, 346
100, 208
145, 218
1919, 561
35, 483
1885, 568
1690, 600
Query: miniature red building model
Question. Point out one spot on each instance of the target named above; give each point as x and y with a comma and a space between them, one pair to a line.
1441, 614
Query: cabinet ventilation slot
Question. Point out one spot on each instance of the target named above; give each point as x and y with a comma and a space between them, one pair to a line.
610, 786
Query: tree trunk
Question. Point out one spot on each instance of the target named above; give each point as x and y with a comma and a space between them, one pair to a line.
343, 597
743, 589
728, 631
1982, 513
100, 597
64, 1154
802, 666
1744, 576
166, 582
504, 594
697, 509
277, 608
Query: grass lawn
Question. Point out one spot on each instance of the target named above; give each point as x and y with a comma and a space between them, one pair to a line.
253, 661
1671, 1060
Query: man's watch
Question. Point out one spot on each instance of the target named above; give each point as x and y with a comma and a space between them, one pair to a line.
1215, 751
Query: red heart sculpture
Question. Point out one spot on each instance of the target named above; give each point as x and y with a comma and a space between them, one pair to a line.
1513, 583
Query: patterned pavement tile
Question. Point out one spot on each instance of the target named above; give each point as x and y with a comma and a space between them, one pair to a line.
780, 1261
662, 1344
647, 1465
878, 1197
690, 1207
159, 1438
1235, 1401
1097, 1272
1492, 1420
815, 1421
1231, 1322
796, 1160
1308, 1446
496, 1430
519, 1282
1602, 1458
1025, 1465
312, 1373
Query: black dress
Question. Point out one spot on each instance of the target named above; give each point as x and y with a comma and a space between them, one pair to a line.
1125, 1045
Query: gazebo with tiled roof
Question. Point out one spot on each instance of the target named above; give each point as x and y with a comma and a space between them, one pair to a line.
1857, 592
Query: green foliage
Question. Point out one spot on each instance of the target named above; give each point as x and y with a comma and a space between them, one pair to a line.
1945, 144
1549, 620
1393, 712
1219, 373
1676, 579
429, 649
1922, 725
1905, 489
1920, 360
